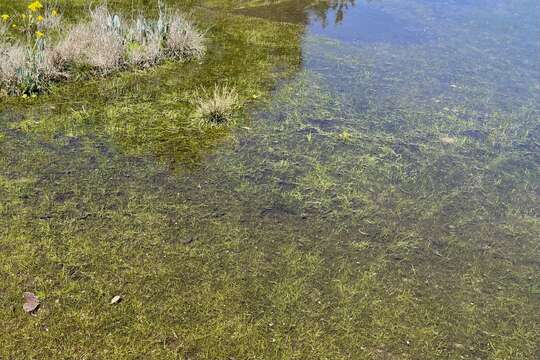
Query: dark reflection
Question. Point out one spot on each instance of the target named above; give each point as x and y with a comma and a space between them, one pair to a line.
345, 20
294, 11
302, 11
362, 23
334, 8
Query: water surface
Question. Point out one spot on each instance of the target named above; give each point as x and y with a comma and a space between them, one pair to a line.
382, 202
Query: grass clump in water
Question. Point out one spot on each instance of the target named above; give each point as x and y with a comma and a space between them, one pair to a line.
105, 43
217, 107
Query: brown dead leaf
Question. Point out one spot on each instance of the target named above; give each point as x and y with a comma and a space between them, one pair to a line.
31, 302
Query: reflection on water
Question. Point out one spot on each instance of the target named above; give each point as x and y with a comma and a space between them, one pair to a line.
345, 20
338, 7
282, 11
362, 22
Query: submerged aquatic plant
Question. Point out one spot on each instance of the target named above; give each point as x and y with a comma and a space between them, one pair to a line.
218, 106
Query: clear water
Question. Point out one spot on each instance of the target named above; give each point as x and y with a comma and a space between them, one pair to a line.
412, 128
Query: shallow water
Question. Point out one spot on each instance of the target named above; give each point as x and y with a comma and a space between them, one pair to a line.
381, 203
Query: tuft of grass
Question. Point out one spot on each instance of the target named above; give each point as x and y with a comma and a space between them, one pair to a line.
107, 43
4, 28
145, 43
217, 107
26, 70
184, 41
12, 58
97, 43
52, 19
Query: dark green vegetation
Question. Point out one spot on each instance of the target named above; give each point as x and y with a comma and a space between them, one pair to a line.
382, 204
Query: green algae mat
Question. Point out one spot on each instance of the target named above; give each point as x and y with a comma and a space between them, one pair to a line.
377, 196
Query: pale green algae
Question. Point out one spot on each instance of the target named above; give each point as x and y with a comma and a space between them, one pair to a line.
331, 223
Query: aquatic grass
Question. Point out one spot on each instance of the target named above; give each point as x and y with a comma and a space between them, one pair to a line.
209, 261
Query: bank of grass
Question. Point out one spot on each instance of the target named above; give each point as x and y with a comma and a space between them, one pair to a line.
104, 43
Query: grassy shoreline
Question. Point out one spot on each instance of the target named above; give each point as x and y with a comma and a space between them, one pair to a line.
102, 44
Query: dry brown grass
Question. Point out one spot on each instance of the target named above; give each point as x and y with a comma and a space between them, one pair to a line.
93, 43
147, 54
142, 43
52, 20
103, 42
3, 28
12, 59
145, 47
23, 70
183, 40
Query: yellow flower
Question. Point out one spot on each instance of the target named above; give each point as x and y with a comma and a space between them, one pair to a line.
5, 17
40, 34
35, 6
54, 13
39, 18
14, 26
